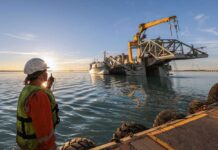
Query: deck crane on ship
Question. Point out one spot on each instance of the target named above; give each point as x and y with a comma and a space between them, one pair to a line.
142, 28
153, 55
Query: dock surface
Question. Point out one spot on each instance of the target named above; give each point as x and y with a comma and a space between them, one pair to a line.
196, 132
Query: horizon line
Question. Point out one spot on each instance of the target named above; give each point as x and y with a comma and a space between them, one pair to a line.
88, 70
48, 70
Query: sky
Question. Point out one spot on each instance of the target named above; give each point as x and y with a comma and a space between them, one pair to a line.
69, 34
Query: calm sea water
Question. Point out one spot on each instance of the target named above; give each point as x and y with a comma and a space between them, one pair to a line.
94, 106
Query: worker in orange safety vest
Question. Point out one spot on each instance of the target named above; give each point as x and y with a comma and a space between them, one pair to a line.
37, 110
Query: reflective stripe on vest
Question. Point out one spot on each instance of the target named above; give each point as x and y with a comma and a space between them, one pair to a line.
26, 137
46, 138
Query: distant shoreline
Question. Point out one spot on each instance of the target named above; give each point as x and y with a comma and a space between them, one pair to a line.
48, 70
87, 71
11, 71
194, 70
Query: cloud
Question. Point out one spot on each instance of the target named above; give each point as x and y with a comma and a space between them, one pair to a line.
76, 61
211, 30
21, 36
201, 18
18, 53
74, 64
206, 41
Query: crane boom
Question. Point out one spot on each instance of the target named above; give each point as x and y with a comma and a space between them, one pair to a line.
142, 28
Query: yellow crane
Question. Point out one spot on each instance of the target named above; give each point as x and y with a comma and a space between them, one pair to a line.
142, 28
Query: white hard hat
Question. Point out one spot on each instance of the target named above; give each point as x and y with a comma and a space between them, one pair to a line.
34, 65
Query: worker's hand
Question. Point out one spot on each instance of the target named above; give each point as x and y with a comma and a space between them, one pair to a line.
50, 82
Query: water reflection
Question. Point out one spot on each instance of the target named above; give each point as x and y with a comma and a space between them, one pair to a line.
139, 89
96, 78
148, 96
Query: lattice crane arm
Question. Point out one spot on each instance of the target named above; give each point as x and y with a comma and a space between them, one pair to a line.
144, 26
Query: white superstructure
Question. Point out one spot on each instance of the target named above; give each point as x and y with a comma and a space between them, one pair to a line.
98, 68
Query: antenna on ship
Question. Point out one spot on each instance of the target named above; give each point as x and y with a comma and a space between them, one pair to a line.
104, 55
